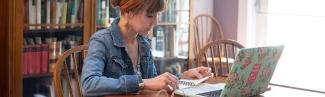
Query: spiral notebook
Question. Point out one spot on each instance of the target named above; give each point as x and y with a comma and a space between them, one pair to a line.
186, 83
249, 75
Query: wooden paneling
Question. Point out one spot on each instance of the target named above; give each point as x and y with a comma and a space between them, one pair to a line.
16, 25
11, 45
4, 25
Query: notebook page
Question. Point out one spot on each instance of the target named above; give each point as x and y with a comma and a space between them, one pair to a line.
186, 83
202, 88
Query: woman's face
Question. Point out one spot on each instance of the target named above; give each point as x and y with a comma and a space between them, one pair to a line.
142, 22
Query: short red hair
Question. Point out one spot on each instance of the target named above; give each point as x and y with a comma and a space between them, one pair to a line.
135, 6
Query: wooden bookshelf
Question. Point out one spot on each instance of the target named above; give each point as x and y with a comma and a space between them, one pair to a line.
15, 12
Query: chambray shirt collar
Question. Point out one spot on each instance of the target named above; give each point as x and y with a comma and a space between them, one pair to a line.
117, 37
116, 34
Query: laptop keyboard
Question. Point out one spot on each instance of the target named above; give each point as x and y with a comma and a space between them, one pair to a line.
215, 93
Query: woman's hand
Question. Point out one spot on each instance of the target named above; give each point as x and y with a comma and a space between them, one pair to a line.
196, 73
165, 81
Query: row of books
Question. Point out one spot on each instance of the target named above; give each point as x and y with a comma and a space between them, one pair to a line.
103, 13
53, 12
39, 57
35, 59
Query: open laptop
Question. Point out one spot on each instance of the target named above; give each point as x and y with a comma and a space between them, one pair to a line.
250, 75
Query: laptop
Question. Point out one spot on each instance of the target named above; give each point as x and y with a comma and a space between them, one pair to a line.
250, 75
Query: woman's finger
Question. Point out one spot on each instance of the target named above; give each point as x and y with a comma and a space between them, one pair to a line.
168, 88
203, 69
171, 77
196, 74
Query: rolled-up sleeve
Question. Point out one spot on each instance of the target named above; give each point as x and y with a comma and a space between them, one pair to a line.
94, 83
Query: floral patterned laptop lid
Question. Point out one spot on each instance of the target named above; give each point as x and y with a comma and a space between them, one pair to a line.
252, 71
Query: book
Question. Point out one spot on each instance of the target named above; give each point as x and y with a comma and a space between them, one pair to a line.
32, 13
64, 11
48, 13
44, 58
25, 60
58, 13
30, 53
37, 55
38, 13
74, 11
43, 12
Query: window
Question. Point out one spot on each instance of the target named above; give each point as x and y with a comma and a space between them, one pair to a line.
299, 25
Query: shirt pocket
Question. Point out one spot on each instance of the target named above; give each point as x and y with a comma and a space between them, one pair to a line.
118, 67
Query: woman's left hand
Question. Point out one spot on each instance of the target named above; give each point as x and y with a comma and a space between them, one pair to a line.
196, 73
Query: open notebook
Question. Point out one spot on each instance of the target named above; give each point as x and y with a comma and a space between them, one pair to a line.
193, 87
186, 83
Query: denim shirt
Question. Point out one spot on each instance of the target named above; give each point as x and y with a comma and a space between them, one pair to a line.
108, 69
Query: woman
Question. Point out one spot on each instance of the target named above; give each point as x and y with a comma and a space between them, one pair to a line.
119, 59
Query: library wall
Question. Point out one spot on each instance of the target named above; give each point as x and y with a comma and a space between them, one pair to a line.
226, 11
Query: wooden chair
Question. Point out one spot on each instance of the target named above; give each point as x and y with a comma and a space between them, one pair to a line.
67, 70
206, 29
219, 55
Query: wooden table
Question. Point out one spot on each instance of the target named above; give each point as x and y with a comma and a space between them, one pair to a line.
275, 91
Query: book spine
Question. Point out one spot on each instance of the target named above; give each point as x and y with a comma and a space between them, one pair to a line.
99, 12
48, 13
58, 13
38, 13
64, 10
25, 60
45, 58
31, 62
80, 11
43, 12
107, 21
103, 14
37, 53
74, 11
69, 10
31, 15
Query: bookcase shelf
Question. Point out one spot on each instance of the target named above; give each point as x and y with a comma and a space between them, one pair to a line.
41, 75
52, 25
76, 29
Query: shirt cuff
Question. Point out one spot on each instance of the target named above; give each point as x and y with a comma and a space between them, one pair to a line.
132, 83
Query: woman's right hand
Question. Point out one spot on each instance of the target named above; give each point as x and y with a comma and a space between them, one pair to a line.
165, 81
